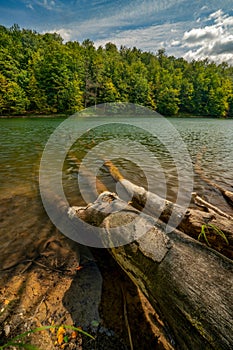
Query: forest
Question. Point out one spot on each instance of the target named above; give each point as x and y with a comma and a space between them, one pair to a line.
40, 74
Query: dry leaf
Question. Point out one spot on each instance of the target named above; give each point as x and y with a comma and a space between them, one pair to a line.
74, 335
60, 335
52, 329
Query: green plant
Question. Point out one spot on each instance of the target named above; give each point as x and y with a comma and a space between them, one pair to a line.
216, 230
13, 342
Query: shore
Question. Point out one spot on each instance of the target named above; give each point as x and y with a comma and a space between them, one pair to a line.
47, 279
33, 116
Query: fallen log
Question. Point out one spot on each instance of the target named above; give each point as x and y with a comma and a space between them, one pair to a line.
228, 195
153, 250
96, 187
191, 221
187, 283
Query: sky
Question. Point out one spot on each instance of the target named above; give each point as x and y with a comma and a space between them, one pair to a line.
195, 29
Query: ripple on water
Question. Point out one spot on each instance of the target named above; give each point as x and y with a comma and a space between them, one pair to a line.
22, 143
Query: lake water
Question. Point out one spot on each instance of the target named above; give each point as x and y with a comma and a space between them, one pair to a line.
137, 150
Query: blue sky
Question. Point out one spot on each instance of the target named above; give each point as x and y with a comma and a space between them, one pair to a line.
192, 29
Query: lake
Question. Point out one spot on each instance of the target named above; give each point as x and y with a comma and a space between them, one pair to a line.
135, 148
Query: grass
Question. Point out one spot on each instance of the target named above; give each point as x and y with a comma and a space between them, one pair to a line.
22, 345
205, 229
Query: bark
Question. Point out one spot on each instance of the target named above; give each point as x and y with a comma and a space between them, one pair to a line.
228, 195
189, 284
189, 221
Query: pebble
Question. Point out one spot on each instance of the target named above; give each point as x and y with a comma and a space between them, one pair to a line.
7, 329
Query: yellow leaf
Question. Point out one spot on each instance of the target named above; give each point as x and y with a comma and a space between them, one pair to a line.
60, 335
52, 329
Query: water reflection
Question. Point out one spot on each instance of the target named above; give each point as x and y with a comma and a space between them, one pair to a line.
22, 142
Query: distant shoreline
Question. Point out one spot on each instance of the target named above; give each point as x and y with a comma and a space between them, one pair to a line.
63, 115
34, 116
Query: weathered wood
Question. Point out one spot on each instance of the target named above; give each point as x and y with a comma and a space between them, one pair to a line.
189, 284
228, 195
203, 203
189, 221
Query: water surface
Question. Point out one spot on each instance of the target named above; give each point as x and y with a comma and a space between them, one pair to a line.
22, 142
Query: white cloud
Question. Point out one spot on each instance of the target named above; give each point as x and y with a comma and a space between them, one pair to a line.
106, 21
213, 41
200, 35
204, 8
109, 29
175, 42
30, 6
150, 38
143, 10
216, 14
141, 23
66, 34
46, 4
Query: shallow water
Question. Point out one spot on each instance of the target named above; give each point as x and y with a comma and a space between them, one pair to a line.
149, 153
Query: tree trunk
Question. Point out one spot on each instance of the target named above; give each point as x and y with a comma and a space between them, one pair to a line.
189, 284
228, 195
190, 221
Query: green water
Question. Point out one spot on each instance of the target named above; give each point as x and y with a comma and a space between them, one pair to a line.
22, 142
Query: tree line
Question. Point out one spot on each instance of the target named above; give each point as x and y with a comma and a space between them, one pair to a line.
41, 74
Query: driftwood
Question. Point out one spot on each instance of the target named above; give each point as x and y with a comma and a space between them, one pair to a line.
189, 284
228, 195
189, 221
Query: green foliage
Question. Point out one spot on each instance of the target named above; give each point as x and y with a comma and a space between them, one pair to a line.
41, 74
16, 341
13, 99
215, 230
